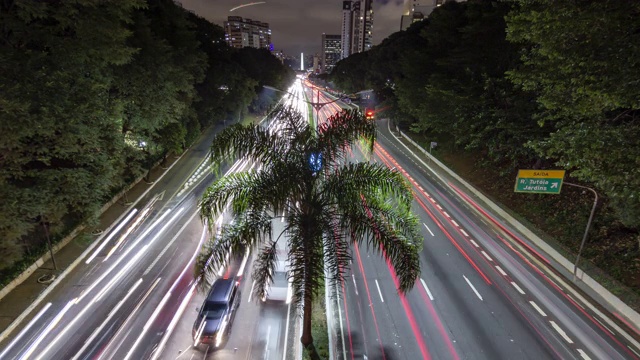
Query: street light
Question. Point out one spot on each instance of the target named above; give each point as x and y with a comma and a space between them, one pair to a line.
586, 231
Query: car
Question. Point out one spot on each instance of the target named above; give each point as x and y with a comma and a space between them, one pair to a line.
280, 289
216, 314
370, 114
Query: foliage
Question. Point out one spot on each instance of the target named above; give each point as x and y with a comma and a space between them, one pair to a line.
325, 210
90, 93
581, 58
524, 84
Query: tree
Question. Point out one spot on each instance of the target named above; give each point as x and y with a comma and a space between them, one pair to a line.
581, 58
326, 208
59, 140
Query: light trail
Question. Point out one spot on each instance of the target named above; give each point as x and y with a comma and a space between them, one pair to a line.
249, 4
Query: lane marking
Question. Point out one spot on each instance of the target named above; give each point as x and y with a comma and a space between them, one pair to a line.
603, 325
430, 232
379, 292
501, 271
473, 288
286, 333
464, 232
445, 214
635, 352
455, 223
486, 255
424, 284
517, 288
561, 332
354, 283
266, 345
584, 355
474, 243
251, 291
538, 309
574, 300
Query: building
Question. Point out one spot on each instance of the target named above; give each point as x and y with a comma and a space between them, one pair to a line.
241, 33
347, 21
418, 10
357, 27
331, 52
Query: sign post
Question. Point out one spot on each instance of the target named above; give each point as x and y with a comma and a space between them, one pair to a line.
539, 181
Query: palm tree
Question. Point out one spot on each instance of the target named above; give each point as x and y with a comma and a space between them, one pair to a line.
328, 205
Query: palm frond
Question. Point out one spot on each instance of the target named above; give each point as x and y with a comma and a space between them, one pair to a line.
251, 141
369, 180
246, 232
386, 230
344, 129
264, 268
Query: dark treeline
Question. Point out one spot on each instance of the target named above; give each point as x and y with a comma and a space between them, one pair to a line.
526, 84
93, 92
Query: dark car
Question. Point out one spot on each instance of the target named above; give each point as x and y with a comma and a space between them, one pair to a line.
216, 314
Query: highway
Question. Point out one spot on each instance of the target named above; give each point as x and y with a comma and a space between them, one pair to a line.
485, 291
130, 297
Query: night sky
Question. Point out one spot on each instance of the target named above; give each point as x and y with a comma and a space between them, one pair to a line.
297, 25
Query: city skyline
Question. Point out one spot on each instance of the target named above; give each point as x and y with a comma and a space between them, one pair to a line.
298, 26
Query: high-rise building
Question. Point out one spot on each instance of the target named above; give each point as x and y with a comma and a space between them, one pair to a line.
357, 26
347, 22
417, 10
331, 52
241, 33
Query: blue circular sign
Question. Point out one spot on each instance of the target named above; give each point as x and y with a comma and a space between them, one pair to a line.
315, 162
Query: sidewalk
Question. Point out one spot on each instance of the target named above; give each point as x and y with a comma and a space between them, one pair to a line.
22, 297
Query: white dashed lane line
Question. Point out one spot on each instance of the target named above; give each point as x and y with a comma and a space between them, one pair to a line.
535, 306
455, 223
517, 287
473, 288
584, 355
464, 233
424, 284
501, 271
379, 292
475, 244
561, 332
486, 255
430, 232
354, 283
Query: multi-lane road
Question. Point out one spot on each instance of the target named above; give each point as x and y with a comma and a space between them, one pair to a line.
133, 295
485, 291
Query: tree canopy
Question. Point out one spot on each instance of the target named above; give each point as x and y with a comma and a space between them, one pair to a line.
92, 92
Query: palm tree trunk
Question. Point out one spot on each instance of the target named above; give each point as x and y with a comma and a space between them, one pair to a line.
307, 338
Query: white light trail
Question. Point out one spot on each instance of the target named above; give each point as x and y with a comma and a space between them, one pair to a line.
24, 331
111, 235
104, 323
47, 330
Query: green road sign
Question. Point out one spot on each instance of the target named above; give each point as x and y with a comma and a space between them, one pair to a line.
539, 181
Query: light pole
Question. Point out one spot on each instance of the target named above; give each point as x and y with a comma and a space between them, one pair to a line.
586, 231
316, 105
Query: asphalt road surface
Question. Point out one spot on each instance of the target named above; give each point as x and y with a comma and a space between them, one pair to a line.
481, 295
